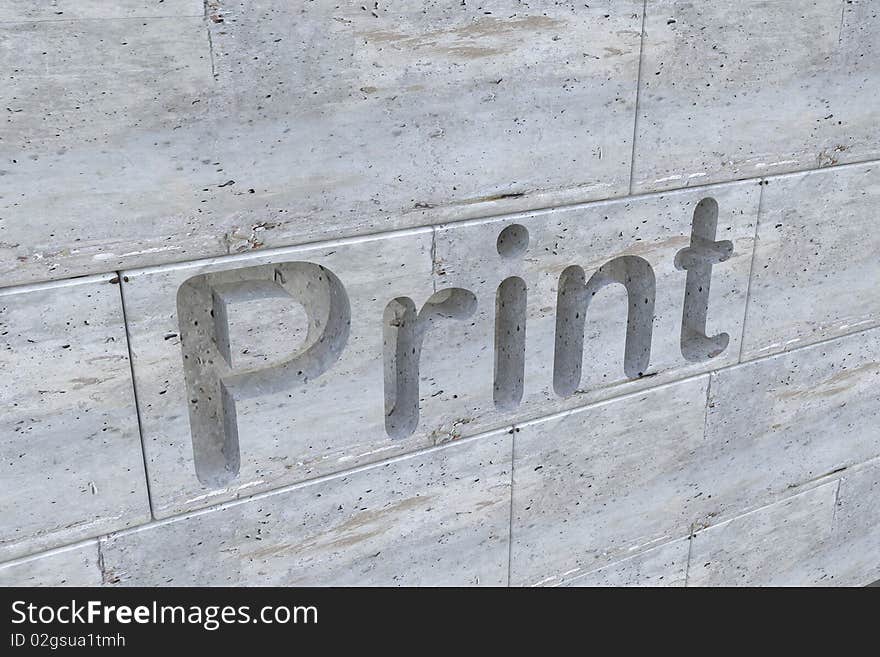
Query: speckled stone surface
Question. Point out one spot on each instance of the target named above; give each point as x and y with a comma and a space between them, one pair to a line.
592, 487
779, 423
74, 565
436, 518
753, 88
94, 161
665, 565
334, 422
186, 137
58, 10
851, 559
71, 456
449, 293
816, 272
592, 484
652, 229
826, 536
772, 546
289, 433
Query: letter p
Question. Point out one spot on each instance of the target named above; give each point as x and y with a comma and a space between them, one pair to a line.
214, 378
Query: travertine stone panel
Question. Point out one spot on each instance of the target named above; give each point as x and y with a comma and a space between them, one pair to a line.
596, 485
436, 518
654, 230
661, 566
75, 565
733, 90
772, 546
779, 423
853, 558
371, 118
99, 163
71, 456
58, 10
816, 273
827, 536
134, 142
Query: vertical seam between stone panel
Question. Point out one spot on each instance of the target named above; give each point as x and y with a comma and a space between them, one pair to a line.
762, 183
211, 54
137, 405
843, 4
706, 410
210, 41
691, 532
101, 561
834, 509
687, 568
434, 258
510, 515
632, 157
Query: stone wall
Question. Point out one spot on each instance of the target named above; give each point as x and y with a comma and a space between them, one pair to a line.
439, 293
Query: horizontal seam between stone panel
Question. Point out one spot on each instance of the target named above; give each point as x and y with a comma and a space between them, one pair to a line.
86, 279
443, 225
742, 337
277, 250
286, 488
465, 440
803, 488
634, 555
56, 550
739, 512
510, 214
873, 326
684, 379
468, 439
509, 429
95, 19
870, 158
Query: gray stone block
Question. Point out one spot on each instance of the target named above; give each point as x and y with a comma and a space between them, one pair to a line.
772, 546
65, 10
853, 557
782, 422
827, 536
753, 88
172, 146
96, 166
816, 272
440, 517
665, 565
593, 486
69, 444
74, 565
